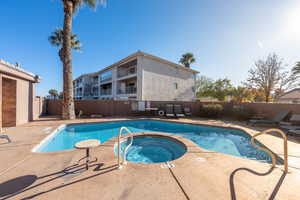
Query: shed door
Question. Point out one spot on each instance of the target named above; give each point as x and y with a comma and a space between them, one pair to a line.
9, 102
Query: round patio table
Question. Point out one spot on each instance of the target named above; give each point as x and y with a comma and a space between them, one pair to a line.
87, 145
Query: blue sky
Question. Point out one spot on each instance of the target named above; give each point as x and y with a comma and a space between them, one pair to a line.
226, 37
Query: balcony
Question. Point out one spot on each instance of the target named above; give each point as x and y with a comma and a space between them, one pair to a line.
106, 76
127, 90
127, 86
77, 85
106, 79
95, 82
95, 92
127, 69
105, 92
122, 72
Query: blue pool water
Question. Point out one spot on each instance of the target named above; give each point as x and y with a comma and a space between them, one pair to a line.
224, 140
152, 149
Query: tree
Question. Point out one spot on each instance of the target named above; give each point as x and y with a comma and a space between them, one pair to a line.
202, 84
70, 7
53, 93
241, 94
61, 95
218, 89
56, 39
268, 76
258, 95
187, 59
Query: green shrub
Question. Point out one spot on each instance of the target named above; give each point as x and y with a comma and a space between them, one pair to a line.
212, 110
241, 113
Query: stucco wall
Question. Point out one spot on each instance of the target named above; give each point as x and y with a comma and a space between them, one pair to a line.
24, 101
158, 82
39, 107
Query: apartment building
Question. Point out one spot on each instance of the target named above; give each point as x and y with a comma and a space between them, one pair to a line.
140, 76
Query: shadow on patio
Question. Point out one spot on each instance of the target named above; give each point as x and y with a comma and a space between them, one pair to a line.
19, 185
273, 193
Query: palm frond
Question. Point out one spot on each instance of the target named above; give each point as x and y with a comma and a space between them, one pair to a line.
91, 3
187, 59
56, 39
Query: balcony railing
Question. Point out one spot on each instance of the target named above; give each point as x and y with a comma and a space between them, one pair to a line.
127, 90
126, 72
95, 83
105, 92
95, 93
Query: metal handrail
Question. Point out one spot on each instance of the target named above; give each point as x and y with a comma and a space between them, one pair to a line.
119, 146
285, 146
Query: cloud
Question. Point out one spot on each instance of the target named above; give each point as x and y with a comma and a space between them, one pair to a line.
260, 44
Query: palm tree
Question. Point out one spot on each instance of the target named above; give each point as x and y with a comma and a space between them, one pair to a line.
70, 7
56, 39
187, 59
53, 93
296, 69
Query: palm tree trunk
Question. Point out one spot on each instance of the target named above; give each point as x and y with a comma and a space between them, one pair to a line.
68, 111
267, 96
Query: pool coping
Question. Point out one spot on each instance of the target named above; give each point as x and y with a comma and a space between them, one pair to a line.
47, 139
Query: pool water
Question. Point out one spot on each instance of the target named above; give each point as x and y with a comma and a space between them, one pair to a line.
152, 149
224, 140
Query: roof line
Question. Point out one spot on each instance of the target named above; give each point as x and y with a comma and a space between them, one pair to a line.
19, 69
159, 59
288, 92
141, 53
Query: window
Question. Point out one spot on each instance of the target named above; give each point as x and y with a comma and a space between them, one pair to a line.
106, 76
95, 79
175, 85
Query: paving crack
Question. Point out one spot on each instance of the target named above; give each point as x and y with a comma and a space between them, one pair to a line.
178, 183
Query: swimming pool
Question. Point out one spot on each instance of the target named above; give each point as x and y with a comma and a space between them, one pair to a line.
224, 140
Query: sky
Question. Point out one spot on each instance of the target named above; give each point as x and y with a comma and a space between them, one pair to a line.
226, 37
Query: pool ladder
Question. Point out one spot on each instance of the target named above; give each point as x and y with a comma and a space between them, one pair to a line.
120, 164
285, 146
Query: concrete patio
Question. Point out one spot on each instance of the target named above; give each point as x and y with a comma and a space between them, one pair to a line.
199, 174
